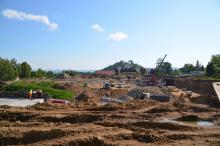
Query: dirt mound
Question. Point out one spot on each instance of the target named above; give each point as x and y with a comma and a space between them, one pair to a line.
32, 137
92, 141
140, 125
107, 107
85, 94
139, 104
110, 92
16, 116
149, 89
118, 92
190, 118
160, 110
82, 97
47, 106
124, 98
200, 108
75, 118
165, 126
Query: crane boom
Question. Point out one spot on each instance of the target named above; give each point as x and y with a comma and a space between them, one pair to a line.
154, 72
161, 62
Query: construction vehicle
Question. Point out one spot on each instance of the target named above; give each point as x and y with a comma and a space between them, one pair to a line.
188, 93
107, 85
112, 84
119, 85
154, 79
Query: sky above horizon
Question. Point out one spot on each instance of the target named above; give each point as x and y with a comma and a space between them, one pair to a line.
92, 34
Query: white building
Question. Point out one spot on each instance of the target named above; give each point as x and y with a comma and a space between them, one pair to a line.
197, 73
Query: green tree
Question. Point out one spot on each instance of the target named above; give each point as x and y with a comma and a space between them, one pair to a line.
163, 68
210, 69
176, 72
8, 70
213, 68
187, 68
167, 68
70, 72
199, 66
33, 74
40, 73
25, 70
202, 68
15, 66
50, 74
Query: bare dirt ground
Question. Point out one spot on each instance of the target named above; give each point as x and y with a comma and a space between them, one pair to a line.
136, 123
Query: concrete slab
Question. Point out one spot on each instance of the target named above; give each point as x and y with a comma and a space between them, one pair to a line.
20, 102
216, 86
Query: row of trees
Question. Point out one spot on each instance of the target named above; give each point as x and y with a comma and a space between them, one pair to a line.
211, 70
187, 68
10, 70
50, 74
166, 68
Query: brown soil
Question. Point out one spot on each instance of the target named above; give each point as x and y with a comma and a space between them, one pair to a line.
136, 123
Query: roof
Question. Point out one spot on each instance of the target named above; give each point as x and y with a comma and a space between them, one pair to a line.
105, 72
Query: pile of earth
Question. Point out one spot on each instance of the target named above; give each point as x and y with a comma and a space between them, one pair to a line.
153, 90
124, 98
82, 97
47, 106
111, 92
86, 95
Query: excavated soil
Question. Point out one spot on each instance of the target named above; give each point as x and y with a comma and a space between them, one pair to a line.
136, 123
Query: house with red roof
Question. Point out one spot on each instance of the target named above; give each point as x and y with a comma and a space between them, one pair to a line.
105, 72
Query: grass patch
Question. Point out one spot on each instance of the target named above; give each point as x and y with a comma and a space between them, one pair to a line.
47, 87
208, 78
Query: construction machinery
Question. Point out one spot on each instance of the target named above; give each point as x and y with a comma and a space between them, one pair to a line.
112, 84
153, 77
119, 85
107, 85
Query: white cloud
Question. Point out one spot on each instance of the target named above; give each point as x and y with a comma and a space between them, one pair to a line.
13, 14
97, 27
118, 36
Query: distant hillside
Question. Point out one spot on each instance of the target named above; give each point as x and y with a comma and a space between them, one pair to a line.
124, 64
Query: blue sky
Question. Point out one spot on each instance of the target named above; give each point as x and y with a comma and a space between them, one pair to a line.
91, 34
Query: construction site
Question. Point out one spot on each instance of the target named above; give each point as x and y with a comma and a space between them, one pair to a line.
110, 111
109, 73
